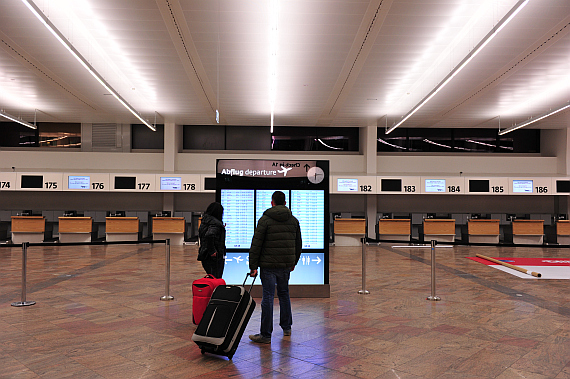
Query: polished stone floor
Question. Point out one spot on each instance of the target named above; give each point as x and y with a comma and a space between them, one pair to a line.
98, 315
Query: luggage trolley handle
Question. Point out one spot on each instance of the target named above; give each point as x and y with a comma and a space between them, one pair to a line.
245, 280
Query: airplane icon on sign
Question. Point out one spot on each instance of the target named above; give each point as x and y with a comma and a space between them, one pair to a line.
284, 170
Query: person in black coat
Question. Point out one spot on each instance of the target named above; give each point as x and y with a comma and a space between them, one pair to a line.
212, 234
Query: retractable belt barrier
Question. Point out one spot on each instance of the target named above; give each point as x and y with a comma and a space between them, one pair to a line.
23, 302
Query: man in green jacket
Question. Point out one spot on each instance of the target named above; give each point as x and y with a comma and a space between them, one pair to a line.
275, 248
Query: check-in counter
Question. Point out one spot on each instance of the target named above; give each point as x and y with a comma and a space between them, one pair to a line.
75, 229
528, 232
563, 232
122, 228
169, 228
440, 230
394, 229
483, 231
28, 229
349, 231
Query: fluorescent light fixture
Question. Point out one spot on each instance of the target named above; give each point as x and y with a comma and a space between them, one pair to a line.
12, 118
532, 121
502, 23
330, 147
273, 39
61, 38
390, 144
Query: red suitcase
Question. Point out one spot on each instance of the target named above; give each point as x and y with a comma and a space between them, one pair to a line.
201, 293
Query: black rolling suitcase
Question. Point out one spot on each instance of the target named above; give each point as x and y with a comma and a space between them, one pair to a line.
225, 319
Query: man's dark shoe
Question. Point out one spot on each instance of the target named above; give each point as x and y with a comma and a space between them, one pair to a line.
259, 338
287, 332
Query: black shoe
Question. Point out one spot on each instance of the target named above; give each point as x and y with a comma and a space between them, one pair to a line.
259, 338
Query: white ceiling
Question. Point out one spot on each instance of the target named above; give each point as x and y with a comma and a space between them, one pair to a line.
341, 63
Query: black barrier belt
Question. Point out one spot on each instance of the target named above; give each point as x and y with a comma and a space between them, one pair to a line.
461, 243
50, 282
515, 294
94, 243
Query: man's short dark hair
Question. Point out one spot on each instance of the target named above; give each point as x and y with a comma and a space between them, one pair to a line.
278, 198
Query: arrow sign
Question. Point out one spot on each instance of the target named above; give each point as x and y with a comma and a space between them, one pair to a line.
318, 260
307, 167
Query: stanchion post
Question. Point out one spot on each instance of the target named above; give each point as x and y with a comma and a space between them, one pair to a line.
363, 291
167, 297
23, 301
433, 297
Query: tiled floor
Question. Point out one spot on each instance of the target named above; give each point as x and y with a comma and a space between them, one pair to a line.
98, 315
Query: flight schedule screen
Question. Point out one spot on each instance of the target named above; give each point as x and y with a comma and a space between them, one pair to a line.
245, 187
307, 206
238, 217
244, 208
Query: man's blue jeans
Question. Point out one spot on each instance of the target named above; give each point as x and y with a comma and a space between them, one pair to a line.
270, 277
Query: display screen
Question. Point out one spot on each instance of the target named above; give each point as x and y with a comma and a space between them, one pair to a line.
478, 186
263, 201
32, 181
522, 186
239, 217
210, 184
435, 185
347, 185
78, 182
308, 207
170, 183
125, 182
244, 188
394, 185
309, 270
563, 186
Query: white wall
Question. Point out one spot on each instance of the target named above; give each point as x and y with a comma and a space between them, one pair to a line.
469, 165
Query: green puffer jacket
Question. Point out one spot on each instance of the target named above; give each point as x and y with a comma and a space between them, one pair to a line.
277, 241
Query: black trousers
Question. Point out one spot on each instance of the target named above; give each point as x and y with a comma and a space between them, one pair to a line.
214, 267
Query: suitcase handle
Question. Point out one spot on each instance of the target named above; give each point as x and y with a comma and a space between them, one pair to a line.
245, 280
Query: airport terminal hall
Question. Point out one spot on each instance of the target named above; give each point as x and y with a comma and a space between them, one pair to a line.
285, 189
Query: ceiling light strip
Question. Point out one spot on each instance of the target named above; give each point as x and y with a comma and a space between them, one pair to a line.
273, 36
532, 121
502, 23
12, 118
61, 38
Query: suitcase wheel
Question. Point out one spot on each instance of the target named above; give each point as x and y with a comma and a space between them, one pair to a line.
202, 351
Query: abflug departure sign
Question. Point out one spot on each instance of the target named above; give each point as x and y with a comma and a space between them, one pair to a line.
265, 169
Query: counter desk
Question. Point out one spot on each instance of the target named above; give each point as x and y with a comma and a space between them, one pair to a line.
122, 228
28, 229
349, 231
169, 228
483, 231
395, 229
528, 232
440, 230
75, 229
563, 232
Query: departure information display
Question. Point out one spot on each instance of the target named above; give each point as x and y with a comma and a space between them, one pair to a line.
238, 217
263, 202
308, 206
244, 187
